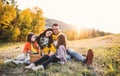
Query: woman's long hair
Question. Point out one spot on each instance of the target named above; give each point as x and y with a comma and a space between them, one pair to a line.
43, 35
62, 40
29, 37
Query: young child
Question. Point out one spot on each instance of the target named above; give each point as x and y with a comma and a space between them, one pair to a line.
30, 46
60, 55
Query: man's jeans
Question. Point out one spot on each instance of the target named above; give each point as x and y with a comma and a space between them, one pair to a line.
75, 55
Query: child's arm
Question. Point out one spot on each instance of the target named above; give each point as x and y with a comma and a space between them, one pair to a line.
27, 48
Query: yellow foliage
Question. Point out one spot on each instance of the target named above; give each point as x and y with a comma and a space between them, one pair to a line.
1, 4
25, 16
39, 29
17, 31
38, 20
111, 67
8, 14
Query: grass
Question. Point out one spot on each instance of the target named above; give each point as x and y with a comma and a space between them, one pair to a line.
106, 60
72, 68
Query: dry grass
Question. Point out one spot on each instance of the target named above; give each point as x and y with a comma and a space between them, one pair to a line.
106, 59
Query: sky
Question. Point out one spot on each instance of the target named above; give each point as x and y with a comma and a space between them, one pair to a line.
103, 15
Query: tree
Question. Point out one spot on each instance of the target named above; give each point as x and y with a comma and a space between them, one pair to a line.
16, 24
38, 22
25, 23
7, 15
93, 33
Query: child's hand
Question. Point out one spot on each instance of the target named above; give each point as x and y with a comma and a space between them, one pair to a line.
29, 52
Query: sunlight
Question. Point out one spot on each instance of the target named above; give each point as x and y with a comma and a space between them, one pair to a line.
78, 27
89, 16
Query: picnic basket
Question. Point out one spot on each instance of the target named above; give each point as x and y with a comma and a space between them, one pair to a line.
35, 57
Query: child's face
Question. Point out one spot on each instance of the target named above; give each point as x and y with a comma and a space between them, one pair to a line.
33, 38
48, 33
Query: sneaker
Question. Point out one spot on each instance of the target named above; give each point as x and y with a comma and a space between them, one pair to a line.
38, 67
61, 62
89, 57
27, 63
8, 61
30, 66
17, 62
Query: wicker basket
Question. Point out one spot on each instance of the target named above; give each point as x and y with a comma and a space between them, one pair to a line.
35, 57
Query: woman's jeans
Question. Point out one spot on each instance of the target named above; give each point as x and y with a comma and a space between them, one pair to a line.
44, 58
52, 58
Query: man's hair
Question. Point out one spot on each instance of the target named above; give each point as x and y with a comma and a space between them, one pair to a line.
55, 24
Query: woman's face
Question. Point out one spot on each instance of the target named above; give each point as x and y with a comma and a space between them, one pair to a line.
33, 38
48, 33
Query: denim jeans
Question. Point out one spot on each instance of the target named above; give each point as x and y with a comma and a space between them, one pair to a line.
75, 55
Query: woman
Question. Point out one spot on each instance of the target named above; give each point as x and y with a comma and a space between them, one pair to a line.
46, 43
60, 55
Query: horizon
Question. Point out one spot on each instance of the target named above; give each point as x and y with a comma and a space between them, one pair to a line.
101, 15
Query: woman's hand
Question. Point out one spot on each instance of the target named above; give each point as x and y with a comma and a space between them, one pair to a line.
51, 53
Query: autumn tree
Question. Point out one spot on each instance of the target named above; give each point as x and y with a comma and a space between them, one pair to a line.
38, 22
25, 23
15, 24
7, 15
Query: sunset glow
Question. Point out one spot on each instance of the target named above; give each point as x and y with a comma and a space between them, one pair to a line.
99, 14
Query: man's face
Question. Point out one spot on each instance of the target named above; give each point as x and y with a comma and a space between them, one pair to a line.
55, 29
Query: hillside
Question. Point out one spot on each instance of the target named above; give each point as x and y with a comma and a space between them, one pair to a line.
105, 63
106, 41
50, 22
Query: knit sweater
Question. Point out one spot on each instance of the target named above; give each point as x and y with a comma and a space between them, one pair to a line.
61, 53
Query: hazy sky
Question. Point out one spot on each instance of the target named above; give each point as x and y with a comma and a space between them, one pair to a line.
100, 14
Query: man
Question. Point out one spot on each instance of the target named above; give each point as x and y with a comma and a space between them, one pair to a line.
88, 59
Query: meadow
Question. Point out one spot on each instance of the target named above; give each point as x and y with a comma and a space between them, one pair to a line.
106, 60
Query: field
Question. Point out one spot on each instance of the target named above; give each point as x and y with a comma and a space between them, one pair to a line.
106, 60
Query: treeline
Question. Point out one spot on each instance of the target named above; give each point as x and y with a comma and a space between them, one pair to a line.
16, 24
84, 33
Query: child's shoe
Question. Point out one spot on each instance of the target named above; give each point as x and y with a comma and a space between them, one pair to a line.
8, 61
